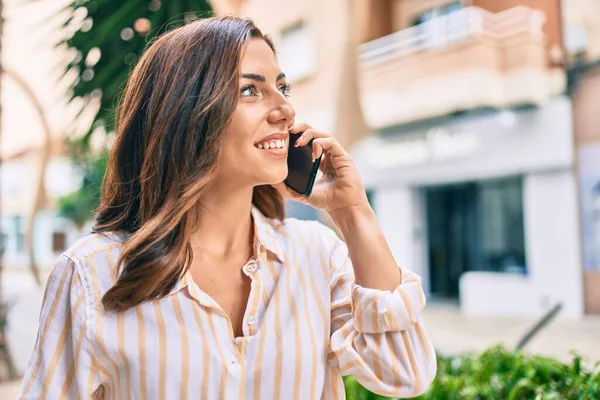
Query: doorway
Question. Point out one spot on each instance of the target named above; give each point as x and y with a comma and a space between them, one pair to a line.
474, 226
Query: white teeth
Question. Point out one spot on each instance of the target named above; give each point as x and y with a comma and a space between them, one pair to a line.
279, 144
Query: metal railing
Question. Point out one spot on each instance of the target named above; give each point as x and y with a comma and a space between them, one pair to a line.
455, 27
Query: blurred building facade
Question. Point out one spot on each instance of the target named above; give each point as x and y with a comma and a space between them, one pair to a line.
469, 155
35, 117
52, 233
582, 41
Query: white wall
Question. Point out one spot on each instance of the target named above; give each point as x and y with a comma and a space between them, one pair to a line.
400, 214
552, 241
497, 144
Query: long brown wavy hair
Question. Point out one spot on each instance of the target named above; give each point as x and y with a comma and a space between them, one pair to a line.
177, 101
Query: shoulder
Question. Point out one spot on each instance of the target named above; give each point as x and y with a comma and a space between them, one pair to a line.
313, 232
95, 256
89, 245
75, 272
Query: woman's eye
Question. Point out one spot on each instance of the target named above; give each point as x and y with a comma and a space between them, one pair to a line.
249, 90
285, 90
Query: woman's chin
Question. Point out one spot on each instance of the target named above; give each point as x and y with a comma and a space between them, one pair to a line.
275, 178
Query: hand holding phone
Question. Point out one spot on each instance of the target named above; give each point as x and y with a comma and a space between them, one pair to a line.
302, 171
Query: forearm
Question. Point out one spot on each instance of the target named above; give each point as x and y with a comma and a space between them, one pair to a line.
372, 259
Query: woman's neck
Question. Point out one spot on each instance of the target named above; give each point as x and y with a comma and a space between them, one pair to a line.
225, 223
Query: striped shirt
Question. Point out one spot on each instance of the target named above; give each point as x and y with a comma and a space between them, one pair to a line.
306, 325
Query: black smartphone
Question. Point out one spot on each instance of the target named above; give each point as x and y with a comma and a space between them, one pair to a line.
302, 171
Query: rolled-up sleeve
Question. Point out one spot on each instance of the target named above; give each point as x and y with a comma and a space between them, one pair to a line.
378, 336
60, 366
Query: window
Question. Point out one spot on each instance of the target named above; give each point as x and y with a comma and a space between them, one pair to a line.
59, 242
438, 12
436, 27
297, 52
501, 226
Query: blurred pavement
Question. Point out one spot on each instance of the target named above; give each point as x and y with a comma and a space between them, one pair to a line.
9, 390
453, 332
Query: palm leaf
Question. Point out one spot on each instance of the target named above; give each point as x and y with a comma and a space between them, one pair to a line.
109, 18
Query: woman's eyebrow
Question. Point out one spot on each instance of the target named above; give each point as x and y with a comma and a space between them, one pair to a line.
261, 78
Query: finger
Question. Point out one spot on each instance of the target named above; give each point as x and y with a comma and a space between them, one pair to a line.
310, 134
328, 145
325, 166
299, 127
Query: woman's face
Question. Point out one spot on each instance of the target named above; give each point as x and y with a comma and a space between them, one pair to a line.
255, 142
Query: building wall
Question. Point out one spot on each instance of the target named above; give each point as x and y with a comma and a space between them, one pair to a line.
582, 27
378, 18
552, 241
46, 223
536, 144
401, 214
551, 8
586, 122
586, 101
18, 183
553, 257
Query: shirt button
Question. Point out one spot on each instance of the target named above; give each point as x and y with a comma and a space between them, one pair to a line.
251, 320
250, 268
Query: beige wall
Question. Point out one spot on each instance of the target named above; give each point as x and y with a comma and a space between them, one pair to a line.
586, 107
586, 121
378, 16
591, 287
584, 14
551, 8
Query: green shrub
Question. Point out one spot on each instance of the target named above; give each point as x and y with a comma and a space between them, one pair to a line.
499, 374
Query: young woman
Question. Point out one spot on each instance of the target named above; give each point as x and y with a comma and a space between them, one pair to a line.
193, 285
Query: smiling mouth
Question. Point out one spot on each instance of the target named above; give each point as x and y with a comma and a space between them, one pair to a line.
272, 144
277, 148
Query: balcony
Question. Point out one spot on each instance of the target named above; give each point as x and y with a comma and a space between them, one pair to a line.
468, 59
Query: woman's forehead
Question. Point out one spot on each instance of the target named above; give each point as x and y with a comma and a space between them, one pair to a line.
258, 55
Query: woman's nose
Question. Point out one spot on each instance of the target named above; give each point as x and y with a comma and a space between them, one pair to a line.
283, 111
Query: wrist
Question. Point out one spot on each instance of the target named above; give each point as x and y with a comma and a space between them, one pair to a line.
350, 217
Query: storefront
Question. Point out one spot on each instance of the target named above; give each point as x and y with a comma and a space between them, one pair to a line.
483, 206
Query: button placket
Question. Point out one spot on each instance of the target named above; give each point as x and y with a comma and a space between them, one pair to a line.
253, 310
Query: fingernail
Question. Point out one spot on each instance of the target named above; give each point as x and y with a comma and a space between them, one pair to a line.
313, 157
297, 142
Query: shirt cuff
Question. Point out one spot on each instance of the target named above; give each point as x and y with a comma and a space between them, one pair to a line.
380, 311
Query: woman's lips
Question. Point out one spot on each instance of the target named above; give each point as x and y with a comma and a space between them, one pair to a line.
275, 152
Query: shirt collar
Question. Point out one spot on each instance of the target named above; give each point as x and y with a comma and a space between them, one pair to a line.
265, 233
264, 236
